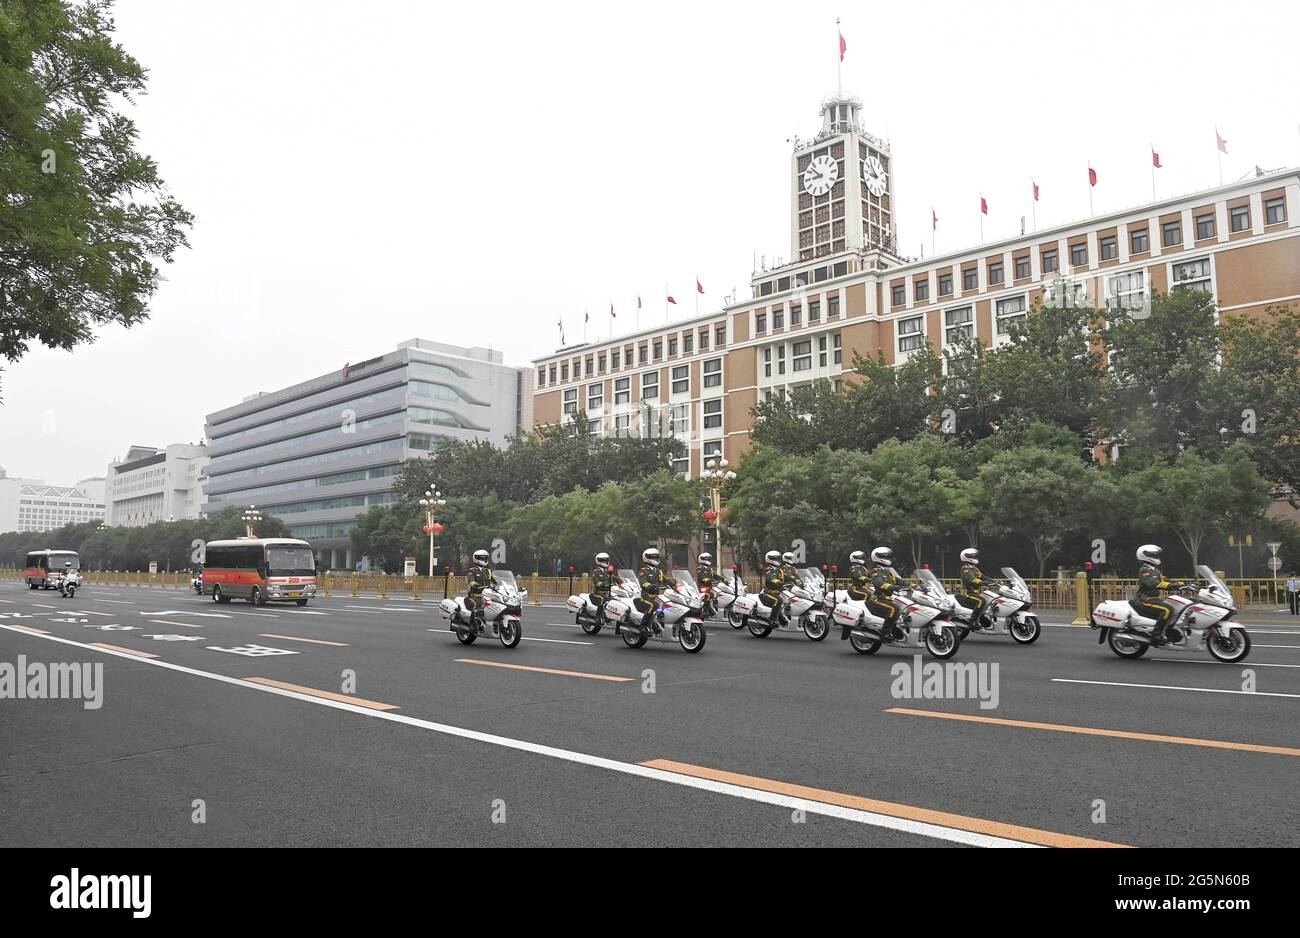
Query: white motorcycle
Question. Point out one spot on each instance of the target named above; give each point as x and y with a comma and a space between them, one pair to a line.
68, 581
501, 615
725, 594
590, 617
804, 604
922, 623
1202, 619
196, 583
680, 608
1008, 608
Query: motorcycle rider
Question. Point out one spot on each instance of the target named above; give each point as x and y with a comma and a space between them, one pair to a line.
706, 578
1152, 585
973, 583
652, 580
884, 583
792, 578
773, 582
602, 580
480, 578
859, 590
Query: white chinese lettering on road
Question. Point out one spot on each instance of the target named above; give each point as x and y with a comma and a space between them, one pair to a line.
113, 628
252, 651
174, 638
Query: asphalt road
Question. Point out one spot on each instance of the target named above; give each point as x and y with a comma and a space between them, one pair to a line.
779, 741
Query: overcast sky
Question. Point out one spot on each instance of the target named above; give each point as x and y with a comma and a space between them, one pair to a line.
363, 173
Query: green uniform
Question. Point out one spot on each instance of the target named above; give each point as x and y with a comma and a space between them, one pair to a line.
652, 581
884, 582
774, 582
1151, 587
973, 582
859, 583
480, 578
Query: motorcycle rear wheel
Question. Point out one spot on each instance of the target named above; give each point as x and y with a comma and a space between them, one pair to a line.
863, 645
634, 638
1125, 648
589, 627
760, 629
736, 619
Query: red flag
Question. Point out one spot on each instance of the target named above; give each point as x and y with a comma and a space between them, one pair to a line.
984, 205
843, 45
347, 367
1155, 159
1035, 189
613, 315
698, 286
934, 219
671, 300
1092, 176
1223, 144
586, 316
638, 301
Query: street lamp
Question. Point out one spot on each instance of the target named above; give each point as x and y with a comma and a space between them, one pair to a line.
432, 503
251, 517
714, 476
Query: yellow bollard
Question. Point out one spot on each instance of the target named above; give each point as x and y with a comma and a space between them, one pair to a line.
535, 591
329, 584
383, 585
415, 586
1083, 609
354, 586
586, 583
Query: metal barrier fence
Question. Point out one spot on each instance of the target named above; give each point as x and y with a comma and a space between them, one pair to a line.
1049, 593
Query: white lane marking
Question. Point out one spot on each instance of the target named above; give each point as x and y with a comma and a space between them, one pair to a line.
264, 615
526, 638
123, 602
1200, 690
917, 828
1245, 664
1292, 647
305, 612
184, 612
44, 606
385, 609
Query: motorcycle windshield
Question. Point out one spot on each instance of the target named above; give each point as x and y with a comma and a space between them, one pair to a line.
1223, 595
628, 580
1016, 580
685, 580
812, 578
506, 584
931, 584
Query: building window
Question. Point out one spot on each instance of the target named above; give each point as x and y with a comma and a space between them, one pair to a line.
593, 427
1204, 226
613, 360
622, 425
622, 391
704, 340
682, 379
970, 279
899, 295
780, 359
643, 355
945, 285
1171, 234
1109, 248
1275, 211
590, 364
1022, 268
796, 316
911, 333
1009, 311
960, 324
601, 362
1140, 241
760, 324
650, 386
1051, 263
802, 356
672, 347
679, 419
837, 352
995, 274
767, 362
1241, 218
821, 352
1126, 291
814, 311
564, 371
688, 343
595, 396
833, 307
922, 290
659, 349
1193, 275
570, 402
713, 373
552, 381
720, 337
778, 318
1078, 255
713, 414
541, 376
711, 449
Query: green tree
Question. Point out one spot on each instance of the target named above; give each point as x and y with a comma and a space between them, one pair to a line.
387, 535
86, 217
905, 496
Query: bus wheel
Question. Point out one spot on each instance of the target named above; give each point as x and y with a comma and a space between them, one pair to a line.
218, 596
256, 597
301, 602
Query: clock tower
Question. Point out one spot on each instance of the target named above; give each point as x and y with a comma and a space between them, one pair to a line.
842, 190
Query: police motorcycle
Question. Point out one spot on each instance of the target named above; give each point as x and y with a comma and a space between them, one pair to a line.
1202, 619
501, 614
196, 582
803, 605
725, 592
67, 581
1008, 608
681, 606
923, 622
589, 617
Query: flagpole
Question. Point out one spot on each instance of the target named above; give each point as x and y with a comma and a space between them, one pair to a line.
1153, 172
839, 60
1033, 205
1218, 151
1091, 211
981, 218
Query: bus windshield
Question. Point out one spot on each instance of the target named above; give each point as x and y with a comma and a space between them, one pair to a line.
291, 561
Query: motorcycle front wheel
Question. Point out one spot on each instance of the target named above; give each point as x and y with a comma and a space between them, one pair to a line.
1125, 647
944, 645
1230, 648
863, 645
736, 619
692, 637
510, 632
1026, 631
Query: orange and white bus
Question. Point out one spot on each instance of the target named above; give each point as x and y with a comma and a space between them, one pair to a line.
261, 570
44, 564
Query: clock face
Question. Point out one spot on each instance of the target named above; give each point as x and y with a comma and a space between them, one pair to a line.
820, 175
873, 176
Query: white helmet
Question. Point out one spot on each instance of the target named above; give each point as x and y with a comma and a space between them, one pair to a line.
858, 557
773, 557
706, 558
602, 558
651, 556
481, 557
883, 556
970, 555
788, 556
1149, 553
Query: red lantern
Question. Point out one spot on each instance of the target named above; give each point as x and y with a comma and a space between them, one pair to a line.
438, 528
709, 516
426, 529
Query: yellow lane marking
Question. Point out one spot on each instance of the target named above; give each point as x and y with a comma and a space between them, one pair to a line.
26, 628
129, 651
313, 641
1028, 835
1097, 731
324, 694
524, 667
170, 622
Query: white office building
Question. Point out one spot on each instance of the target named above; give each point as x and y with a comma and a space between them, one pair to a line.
151, 484
35, 505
